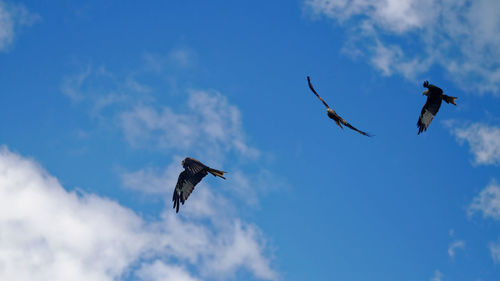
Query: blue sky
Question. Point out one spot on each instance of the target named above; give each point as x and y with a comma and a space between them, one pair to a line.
102, 100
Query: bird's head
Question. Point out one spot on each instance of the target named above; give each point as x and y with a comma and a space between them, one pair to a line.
182, 162
425, 93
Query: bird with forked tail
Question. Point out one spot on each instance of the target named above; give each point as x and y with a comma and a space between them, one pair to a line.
333, 115
194, 172
435, 97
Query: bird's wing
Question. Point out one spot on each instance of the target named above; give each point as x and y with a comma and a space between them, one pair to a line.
314, 91
428, 112
352, 127
186, 182
193, 166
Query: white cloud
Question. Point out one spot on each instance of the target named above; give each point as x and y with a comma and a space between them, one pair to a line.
484, 141
51, 234
457, 244
11, 18
209, 126
159, 271
438, 276
393, 15
463, 37
495, 251
244, 250
487, 202
153, 181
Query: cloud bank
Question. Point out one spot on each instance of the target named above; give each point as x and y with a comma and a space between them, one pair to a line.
48, 233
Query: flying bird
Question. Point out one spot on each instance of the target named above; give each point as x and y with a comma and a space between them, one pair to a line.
332, 114
434, 98
193, 172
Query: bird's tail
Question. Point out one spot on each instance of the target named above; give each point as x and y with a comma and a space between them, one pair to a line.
449, 99
216, 173
176, 198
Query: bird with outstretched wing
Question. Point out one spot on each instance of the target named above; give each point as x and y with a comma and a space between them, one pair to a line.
434, 98
333, 115
194, 172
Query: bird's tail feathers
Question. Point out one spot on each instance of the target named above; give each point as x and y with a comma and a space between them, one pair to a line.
175, 199
216, 173
449, 99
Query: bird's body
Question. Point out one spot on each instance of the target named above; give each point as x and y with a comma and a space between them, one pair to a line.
194, 172
435, 97
332, 114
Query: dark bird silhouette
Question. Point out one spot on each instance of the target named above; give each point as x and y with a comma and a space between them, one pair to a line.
434, 98
193, 172
332, 114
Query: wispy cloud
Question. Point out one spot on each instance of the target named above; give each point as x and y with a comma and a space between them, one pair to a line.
408, 37
484, 141
457, 244
179, 58
153, 180
198, 123
438, 276
98, 89
49, 233
495, 251
12, 17
487, 201
209, 126
71, 85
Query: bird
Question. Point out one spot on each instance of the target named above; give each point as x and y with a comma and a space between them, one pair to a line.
194, 172
333, 115
434, 98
